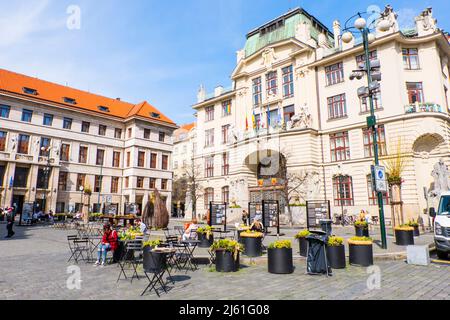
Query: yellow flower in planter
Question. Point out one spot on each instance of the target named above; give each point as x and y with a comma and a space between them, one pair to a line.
360, 241
404, 228
251, 234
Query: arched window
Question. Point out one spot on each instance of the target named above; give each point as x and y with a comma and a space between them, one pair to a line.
209, 197
226, 194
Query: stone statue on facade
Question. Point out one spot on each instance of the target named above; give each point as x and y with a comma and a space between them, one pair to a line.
314, 184
441, 177
303, 119
425, 22
391, 16
268, 57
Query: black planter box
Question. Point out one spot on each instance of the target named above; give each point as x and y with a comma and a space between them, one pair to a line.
361, 255
225, 261
362, 232
336, 257
154, 260
280, 261
120, 252
404, 238
252, 246
204, 242
303, 247
416, 231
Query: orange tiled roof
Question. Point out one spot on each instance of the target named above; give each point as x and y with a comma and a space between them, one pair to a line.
15, 83
188, 127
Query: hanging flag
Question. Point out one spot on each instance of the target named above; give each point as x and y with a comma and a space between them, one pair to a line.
246, 122
280, 116
254, 120
268, 116
11, 182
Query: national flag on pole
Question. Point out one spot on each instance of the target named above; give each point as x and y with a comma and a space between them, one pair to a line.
246, 122
254, 120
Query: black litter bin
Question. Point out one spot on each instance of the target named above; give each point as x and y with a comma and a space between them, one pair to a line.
326, 225
317, 262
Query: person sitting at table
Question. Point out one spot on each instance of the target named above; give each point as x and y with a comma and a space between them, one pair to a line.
189, 233
142, 226
257, 226
109, 243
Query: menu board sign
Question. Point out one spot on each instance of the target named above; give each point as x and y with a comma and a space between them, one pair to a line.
218, 213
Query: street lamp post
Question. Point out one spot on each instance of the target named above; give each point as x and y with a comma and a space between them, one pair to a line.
47, 168
361, 25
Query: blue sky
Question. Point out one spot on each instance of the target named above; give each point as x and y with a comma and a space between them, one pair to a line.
159, 51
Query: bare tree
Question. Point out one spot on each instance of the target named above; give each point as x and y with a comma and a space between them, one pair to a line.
193, 188
294, 185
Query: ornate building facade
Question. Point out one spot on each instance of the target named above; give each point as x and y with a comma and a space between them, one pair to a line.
55, 139
293, 105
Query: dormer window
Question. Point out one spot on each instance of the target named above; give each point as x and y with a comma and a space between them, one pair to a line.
155, 115
103, 109
27, 90
70, 100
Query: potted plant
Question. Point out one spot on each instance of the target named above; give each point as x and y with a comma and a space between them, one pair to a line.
362, 228
404, 235
152, 260
361, 251
301, 236
242, 228
205, 236
415, 225
252, 242
336, 253
280, 257
227, 255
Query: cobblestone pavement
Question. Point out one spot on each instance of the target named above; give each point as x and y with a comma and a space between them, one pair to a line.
34, 266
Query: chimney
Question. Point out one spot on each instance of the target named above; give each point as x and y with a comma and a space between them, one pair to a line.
337, 34
201, 95
218, 91
118, 99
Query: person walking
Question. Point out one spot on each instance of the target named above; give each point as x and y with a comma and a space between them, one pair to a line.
10, 216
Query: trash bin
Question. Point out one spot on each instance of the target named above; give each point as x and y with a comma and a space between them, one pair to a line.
326, 225
317, 262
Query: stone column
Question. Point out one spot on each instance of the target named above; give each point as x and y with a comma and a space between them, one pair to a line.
10, 170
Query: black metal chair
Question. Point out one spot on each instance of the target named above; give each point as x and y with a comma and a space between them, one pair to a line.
179, 229
70, 240
158, 268
130, 259
81, 250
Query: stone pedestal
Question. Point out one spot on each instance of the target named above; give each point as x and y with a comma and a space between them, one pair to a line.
418, 255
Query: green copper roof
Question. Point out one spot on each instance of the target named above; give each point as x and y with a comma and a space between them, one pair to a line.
256, 41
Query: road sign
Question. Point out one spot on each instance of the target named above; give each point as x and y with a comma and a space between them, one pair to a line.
379, 178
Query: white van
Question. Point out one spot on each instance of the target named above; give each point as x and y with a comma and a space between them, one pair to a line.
442, 226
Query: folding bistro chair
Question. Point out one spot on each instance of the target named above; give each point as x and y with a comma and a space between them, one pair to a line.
157, 268
70, 240
130, 259
179, 229
81, 247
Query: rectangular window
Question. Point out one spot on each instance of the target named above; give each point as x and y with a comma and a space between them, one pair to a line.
209, 138
42, 179
127, 182
377, 104
27, 115
82, 158
153, 162
225, 164
368, 142
411, 59
225, 134
147, 133
116, 159
152, 184
24, 141
81, 179
288, 113
340, 147
415, 92
257, 92
334, 74
21, 177
337, 107
130, 133
118, 133
102, 130
209, 167
343, 191
2, 175
209, 113
44, 150
225, 194
162, 136
65, 152
288, 82
209, 197
271, 83
373, 197
140, 182
373, 55
128, 159
98, 184
165, 162
67, 123
114, 185
164, 184
62, 181
48, 120
2, 140
4, 111
100, 157
85, 126
141, 159
226, 108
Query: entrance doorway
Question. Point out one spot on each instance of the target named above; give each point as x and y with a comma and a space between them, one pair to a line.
18, 201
